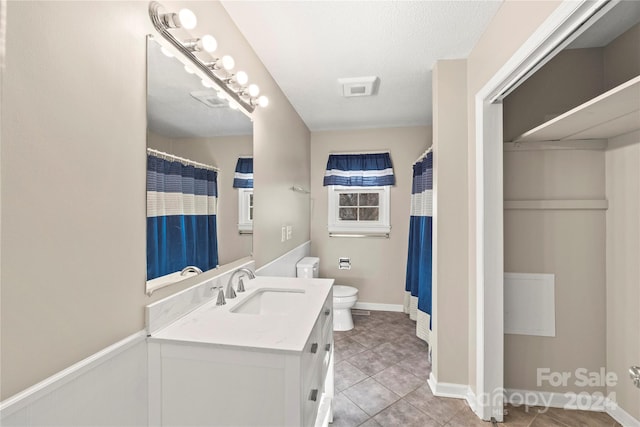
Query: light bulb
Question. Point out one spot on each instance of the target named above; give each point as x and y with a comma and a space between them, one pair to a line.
206, 83
242, 78
228, 63
187, 19
254, 90
209, 43
263, 101
189, 69
166, 52
234, 105
222, 95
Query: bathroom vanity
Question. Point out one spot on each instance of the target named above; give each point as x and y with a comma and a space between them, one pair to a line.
263, 359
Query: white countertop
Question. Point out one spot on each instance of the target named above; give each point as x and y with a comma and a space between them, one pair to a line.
220, 326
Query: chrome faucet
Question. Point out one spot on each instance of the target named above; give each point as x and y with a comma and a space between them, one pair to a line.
190, 269
232, 293
220, 300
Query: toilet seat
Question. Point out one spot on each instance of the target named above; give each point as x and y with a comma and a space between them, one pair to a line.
341, 291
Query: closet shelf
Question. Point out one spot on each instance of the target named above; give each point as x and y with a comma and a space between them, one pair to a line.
557, 205
613, 113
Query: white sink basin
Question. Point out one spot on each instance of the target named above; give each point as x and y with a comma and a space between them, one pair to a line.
270, 301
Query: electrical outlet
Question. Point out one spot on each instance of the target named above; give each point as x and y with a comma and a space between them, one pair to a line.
283, 235
289, 232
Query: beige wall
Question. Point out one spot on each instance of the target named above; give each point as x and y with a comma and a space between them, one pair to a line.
623, 269
73, 177
569, 244
622, 58
450, 287
378, 266
222, 152
571, 78
509, 29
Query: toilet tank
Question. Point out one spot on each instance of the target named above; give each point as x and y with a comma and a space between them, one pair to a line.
308, 267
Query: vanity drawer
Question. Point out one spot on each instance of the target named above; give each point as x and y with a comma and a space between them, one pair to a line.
312, 396
312, 353
326, 316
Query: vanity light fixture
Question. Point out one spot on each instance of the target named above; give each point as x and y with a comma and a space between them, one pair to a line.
253, 90
241, 78
185, 18
262, 101
232, 87
207, 43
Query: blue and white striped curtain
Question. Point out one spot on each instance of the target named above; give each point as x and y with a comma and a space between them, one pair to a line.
181, 216
418, 283
243, 177
359, 170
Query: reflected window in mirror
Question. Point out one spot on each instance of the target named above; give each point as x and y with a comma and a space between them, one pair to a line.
190, 121
243, 181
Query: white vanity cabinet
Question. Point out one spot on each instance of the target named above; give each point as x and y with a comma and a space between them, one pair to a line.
208, 384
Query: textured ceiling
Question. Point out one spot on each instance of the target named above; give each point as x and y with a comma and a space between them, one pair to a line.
174, 113
308, 45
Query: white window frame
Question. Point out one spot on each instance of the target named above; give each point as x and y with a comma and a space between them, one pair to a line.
336, 225
245, 223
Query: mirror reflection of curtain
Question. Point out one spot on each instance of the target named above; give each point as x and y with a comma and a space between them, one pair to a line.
419, 263
181, 217
243, 177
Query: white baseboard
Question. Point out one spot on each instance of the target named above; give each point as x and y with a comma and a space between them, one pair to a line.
456, 391
107, 388
620, 415
374, 306
584, 401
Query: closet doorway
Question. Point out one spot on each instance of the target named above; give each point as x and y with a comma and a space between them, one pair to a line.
543, 211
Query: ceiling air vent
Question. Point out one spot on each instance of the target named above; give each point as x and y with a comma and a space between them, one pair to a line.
359, 86
209, 98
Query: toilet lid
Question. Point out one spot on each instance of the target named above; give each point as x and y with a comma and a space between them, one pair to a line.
344, 291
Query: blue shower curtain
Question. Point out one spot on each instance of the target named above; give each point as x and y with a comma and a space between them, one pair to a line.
419, 262
181, 217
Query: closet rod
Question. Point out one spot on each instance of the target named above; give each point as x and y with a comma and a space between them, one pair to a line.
182, 160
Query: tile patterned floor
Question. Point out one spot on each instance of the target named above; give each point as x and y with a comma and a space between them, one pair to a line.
381, 373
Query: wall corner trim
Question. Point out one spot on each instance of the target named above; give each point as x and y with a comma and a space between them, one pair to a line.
456, 391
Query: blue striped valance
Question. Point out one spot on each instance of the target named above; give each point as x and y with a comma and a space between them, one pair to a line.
243, 177
359, 170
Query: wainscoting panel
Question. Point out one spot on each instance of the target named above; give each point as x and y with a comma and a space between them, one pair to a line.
108, 388
285, 266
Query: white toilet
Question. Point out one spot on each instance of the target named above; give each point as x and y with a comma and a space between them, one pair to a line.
344, 297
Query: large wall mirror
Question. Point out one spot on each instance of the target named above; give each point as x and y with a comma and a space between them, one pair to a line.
189, 124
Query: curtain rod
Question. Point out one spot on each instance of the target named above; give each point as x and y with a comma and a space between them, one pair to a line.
182, 160
427, 151
360, 152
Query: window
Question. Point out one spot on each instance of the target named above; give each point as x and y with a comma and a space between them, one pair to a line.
245, 209
358, 209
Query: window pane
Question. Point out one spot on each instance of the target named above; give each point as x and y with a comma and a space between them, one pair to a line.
348, 199
348, 214
369, 199
250, 199
369, 214
251, 213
